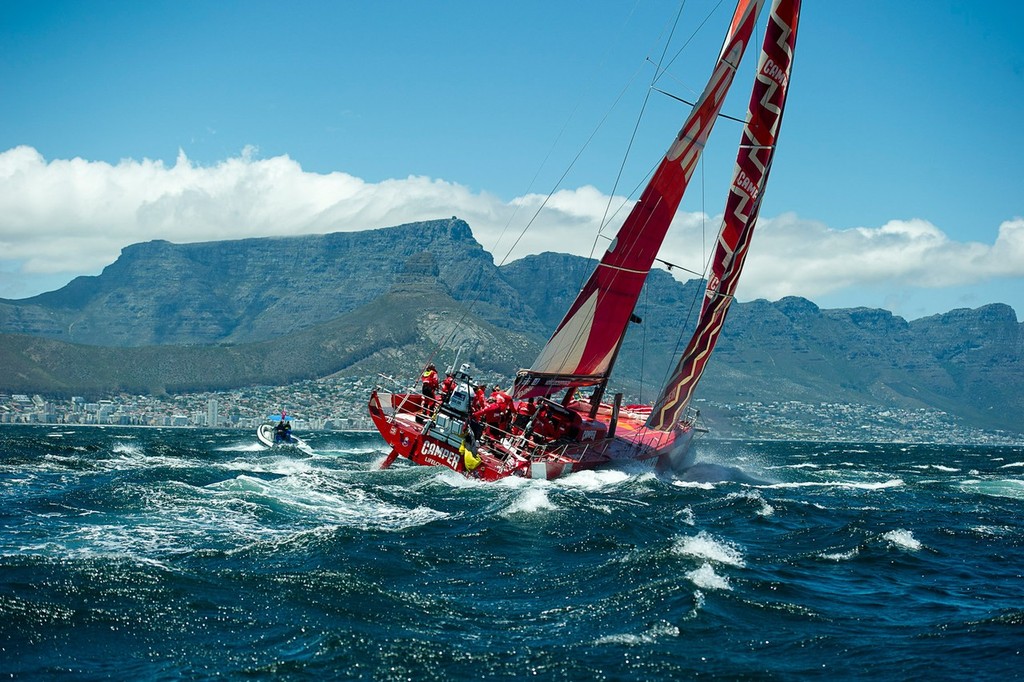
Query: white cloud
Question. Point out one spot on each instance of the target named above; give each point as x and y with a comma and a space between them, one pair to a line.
73, 216
798, 257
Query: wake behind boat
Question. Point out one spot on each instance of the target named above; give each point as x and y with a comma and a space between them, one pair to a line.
545, 427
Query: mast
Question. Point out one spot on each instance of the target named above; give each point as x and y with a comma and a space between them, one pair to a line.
582, 349
753, 163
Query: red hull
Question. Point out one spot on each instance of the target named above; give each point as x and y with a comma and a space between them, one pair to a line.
432, 438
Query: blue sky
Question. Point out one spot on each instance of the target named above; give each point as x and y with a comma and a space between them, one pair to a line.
897, 183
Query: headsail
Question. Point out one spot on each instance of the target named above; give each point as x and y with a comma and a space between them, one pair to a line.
753, 164
583, 347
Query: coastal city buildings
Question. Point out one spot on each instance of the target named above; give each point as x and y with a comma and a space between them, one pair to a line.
340, 405
329, 405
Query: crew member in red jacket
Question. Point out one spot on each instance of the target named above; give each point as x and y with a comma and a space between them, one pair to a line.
497, 413
447, 386
524, 410
430, 382
479, 398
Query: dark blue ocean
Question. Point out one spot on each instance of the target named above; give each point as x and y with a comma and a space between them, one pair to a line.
144, 554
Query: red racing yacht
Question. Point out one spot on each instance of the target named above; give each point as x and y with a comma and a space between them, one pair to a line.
545, 428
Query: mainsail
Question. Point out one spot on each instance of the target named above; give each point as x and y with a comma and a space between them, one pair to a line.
583, 347
753, 164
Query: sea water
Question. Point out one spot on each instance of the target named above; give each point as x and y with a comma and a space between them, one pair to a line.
168, 554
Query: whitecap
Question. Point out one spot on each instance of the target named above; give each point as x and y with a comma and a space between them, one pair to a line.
694, 484
284, 466
706, 578
1012, 464
840, 556
704, 546
622, 638
651, 636
134, 457
765, 509
903, 539
350, 507
376, 463
937, 467
335, 450
991, 531
449, 477
533, 499
593, 480
242, 447
131, 449
686, 516
881, 485
698, 603
1007, 487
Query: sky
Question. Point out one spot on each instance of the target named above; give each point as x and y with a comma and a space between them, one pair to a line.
897, 183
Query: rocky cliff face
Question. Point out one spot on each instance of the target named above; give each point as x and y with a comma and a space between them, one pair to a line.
256, 289
978, 357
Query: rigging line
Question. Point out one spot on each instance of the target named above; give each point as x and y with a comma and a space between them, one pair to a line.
636, 189
670, 368
689, 40
468, 308
579, 334
586, 145
515, 210
706, 256
674, 266
643, 345
693, 104
709, 256
582, 331
704, 220
618, 176
647, 97
475, 300
669, 265
576, 158
471, 304
658, 68
606, 218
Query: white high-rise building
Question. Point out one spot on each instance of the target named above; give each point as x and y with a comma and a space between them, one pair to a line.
212, 418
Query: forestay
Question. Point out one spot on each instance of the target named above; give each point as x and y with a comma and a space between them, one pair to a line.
582, 349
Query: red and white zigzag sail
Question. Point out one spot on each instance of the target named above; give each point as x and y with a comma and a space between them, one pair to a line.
753, 163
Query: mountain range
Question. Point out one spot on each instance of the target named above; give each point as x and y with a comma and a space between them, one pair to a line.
169, 318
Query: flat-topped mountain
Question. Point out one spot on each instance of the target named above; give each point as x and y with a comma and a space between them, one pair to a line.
176, 318
248, 290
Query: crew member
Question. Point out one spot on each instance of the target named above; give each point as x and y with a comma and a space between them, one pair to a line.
496, 414
479, 398
447, 386
430, 381
524, 409
283, 430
